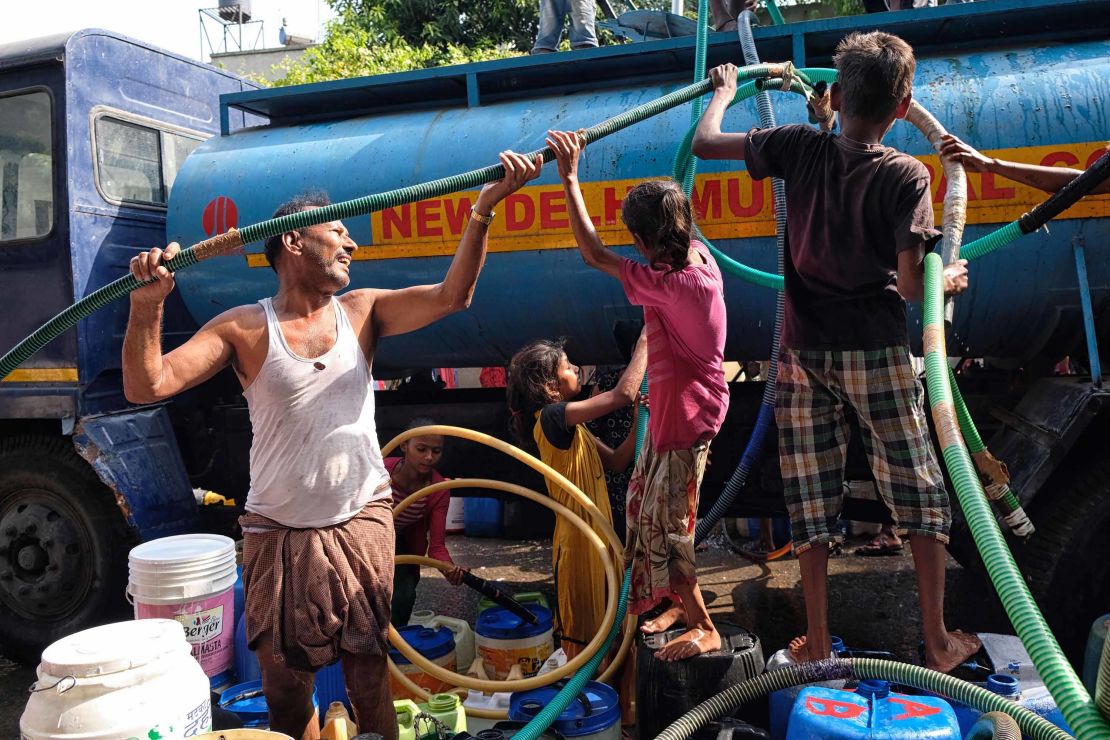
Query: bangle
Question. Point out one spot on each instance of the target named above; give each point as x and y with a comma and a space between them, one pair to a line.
487, 220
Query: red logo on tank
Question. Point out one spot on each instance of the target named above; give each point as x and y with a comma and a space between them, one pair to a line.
219, 216
832, 708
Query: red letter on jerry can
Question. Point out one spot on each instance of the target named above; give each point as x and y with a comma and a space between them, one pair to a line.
833, 708
912, 709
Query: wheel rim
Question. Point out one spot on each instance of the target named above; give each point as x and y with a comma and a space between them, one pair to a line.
46, 555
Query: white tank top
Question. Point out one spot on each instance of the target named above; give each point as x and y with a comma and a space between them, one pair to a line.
315, 459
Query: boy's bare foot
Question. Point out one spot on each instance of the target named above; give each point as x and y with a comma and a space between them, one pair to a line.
958, 648
664, 621
689, 644
800, 650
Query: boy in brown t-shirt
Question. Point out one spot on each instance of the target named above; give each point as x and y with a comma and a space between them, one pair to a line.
859, 223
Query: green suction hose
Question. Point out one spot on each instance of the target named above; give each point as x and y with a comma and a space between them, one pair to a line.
225, 243
1028, 622
797, 674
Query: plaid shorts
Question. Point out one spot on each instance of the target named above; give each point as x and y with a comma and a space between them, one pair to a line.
882, 388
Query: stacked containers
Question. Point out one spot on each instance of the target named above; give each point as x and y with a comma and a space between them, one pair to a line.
190, 578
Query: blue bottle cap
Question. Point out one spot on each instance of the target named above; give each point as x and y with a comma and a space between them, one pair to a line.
1003, 685
837, 644
873, 688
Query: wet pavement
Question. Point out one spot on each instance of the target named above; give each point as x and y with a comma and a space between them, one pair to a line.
872, 601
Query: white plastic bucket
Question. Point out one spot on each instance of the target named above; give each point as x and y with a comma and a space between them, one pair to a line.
189, 578
503, 640
129, 679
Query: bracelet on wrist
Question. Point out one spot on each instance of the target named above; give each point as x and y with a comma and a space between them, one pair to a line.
481, 218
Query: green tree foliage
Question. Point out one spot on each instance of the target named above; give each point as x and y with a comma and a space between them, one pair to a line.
473, 24
351, 50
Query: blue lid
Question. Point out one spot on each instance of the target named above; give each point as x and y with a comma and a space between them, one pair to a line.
245, 700
431, 643
498, 623
595, 709
1003, 685
873, 688
837, 644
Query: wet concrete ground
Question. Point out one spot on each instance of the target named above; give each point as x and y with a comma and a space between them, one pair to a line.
872, 601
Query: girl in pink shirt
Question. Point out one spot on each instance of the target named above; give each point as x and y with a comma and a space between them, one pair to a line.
422, 527
682, 292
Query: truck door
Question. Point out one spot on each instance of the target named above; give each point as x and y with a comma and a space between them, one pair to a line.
35, 277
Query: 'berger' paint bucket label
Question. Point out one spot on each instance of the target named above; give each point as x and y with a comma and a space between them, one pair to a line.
204, 622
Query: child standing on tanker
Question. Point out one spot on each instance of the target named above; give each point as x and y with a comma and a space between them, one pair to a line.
548, 406
859, 224
682, 292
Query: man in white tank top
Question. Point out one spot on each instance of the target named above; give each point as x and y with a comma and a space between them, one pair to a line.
318, 532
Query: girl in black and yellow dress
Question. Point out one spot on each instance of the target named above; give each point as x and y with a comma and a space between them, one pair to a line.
548, 406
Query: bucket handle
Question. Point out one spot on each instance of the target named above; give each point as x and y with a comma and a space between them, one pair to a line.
587, 708
35, 688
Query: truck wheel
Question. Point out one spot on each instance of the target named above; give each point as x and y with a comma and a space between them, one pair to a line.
63, 546
1067, 561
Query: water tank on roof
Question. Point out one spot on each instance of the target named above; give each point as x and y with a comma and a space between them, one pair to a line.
236, 11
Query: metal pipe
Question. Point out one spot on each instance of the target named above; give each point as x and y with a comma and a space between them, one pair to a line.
1088, 311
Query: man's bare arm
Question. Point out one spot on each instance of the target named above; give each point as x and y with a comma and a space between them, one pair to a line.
1048, 179
709, 141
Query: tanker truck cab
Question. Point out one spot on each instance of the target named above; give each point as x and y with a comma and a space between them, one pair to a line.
94, 127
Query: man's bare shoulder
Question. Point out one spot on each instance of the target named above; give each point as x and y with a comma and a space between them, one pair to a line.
240, 321
360, 301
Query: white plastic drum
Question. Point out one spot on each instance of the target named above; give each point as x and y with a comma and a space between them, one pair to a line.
125, 680
189, 578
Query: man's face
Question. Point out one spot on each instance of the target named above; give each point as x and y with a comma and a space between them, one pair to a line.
327, 249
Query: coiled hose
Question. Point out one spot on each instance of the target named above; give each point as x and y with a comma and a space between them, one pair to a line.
994, 726
796, 674
766, 414
236, 239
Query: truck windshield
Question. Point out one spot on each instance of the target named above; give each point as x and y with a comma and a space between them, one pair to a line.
26, 166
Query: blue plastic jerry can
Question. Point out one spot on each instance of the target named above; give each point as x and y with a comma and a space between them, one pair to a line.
872, 711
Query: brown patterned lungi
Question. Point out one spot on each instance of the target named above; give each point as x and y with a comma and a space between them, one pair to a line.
319, 592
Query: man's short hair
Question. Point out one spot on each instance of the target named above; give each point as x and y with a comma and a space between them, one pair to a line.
875, 72
300, 202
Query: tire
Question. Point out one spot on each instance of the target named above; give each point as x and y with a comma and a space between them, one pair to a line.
63, 546
1066, 563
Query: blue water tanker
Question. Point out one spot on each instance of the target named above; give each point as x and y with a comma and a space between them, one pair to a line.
1036, 104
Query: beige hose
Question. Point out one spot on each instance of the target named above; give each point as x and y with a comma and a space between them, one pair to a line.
955, 196
597, 519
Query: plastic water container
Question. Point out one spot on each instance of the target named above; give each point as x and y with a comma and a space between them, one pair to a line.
460, 628
190, 578
1093, 654
246, 733
482, 517
782, 701
443, 707
130, 679
524, 597
505, 640
435, 644
595, 715
1035, 698
665, 690
871, 711
456, 517
245, 662
245, 701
